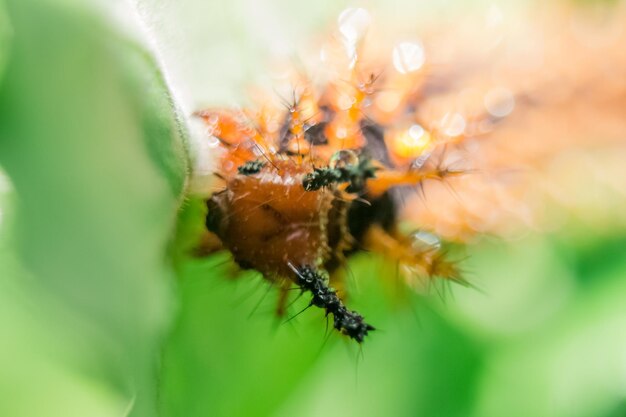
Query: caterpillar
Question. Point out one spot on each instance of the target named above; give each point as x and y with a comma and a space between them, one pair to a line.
307, 183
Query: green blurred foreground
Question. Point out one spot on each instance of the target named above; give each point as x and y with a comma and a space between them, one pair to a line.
96, 319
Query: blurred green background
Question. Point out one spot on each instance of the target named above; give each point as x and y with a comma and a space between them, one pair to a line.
102, 313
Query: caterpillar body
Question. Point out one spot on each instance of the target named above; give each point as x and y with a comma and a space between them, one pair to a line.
308, 183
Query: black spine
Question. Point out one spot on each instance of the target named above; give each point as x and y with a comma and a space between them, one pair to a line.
355, 175
251, 167
347, 322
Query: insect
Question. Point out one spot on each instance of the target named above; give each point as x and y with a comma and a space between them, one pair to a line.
308, 183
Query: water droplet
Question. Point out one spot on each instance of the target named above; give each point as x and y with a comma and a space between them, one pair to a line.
419, 162
213, 119
416, 132
499, 102
411, 142
417, 137
343, 158
408, 57
213, 142
341, 132
424, 242
209, 130
353, 22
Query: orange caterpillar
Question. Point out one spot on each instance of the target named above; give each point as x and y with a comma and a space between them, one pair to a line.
305, 185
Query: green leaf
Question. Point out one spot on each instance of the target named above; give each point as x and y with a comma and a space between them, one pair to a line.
5, 37
95, 156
